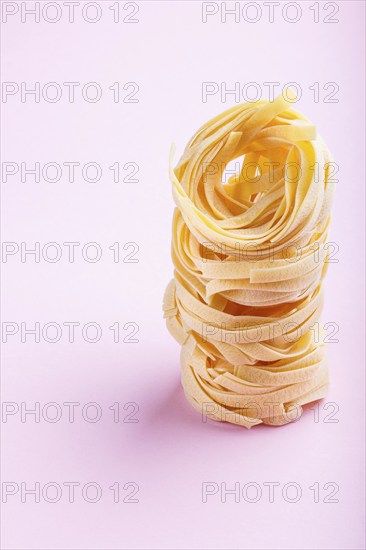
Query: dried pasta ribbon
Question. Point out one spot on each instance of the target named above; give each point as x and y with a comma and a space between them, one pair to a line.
250, 254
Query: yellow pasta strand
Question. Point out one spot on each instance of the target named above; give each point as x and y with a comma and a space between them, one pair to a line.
250, 254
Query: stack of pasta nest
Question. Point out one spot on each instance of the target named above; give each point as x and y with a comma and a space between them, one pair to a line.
250, 254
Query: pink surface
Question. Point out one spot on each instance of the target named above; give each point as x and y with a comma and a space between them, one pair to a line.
170, 452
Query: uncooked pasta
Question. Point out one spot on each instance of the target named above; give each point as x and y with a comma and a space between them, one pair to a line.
253, 197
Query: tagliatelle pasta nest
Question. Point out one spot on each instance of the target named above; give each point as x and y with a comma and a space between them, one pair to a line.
250, 254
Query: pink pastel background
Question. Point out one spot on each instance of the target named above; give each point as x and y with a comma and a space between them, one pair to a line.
170, 452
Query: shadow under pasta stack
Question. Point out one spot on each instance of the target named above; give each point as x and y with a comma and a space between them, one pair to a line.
250, 254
